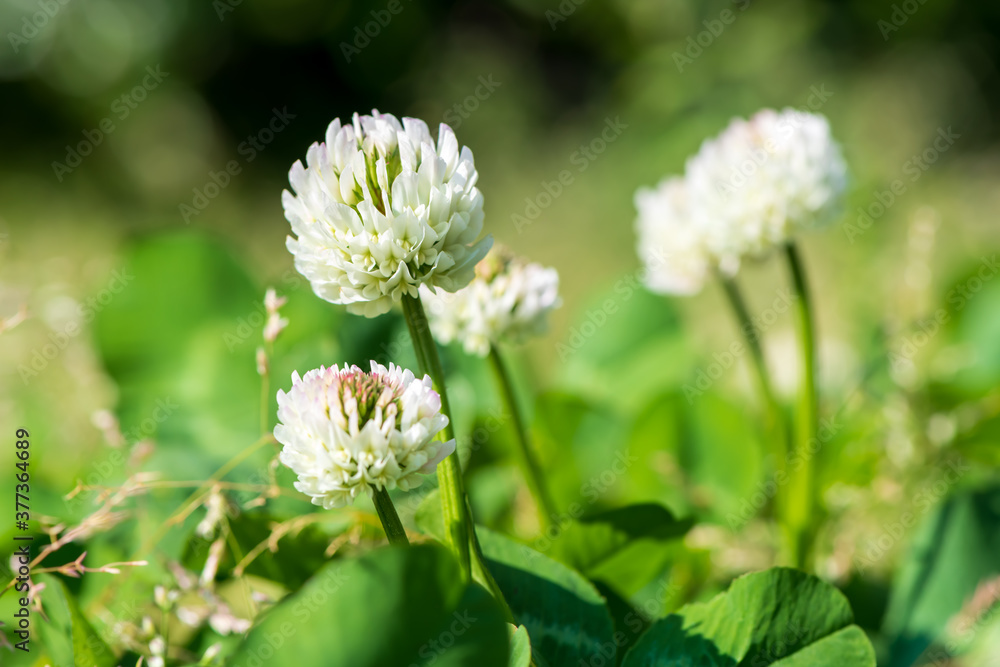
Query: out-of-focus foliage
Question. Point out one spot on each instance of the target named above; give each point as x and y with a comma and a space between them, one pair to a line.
145, 147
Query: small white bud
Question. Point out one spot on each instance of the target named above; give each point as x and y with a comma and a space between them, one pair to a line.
262, 365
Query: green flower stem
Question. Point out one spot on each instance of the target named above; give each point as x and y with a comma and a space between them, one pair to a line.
484, 577
387, 514
775, 426
532, 471
801, 495
459, 527
457, 522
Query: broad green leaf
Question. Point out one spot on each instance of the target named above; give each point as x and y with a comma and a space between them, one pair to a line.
656, 439
177, 332
973, 306
956, 548
604, 545
780, 617
582, 449
708, 446
629, 622
566, 617
428, 516
68, 637
391, 606
520, 646
609, 353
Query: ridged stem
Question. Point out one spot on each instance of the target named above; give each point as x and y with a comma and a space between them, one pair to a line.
457, 523
459, 527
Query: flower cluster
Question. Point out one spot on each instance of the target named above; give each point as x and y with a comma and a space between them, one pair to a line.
672, 246
746, 191
509, 299
380, 209
345, 431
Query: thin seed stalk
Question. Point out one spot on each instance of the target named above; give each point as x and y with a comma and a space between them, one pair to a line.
387, 515
529, 463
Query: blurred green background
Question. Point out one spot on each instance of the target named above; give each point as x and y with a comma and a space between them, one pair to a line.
146, 145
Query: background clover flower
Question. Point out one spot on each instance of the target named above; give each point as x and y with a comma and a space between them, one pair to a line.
763, 179
380, 209
672, 244
345, 431
509, 299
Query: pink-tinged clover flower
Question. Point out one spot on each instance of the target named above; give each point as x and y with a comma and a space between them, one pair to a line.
344, 431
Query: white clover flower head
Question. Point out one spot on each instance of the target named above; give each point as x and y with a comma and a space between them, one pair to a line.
508, 300
672, 244
380, 209
764, 179
345, 431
